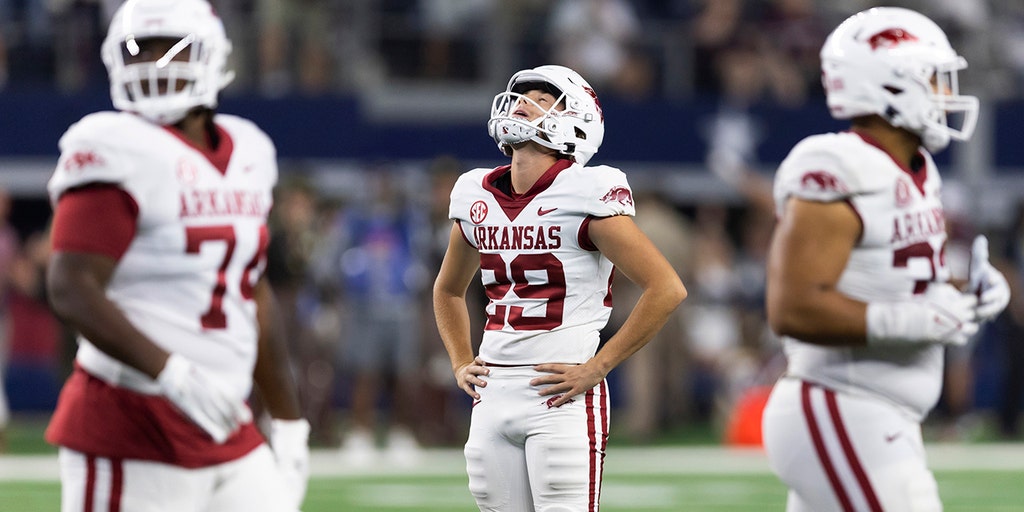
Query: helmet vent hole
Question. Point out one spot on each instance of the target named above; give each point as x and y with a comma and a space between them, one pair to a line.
580, 134
893, 90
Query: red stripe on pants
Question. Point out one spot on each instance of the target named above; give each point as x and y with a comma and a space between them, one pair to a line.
598, 442
116, 484
855, 465
90, 482
819, 447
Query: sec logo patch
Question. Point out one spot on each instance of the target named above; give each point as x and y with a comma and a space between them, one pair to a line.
478, 212
902, 194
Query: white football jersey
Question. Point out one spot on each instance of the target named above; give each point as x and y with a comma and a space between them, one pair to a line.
549, 288
187, 278
900, 251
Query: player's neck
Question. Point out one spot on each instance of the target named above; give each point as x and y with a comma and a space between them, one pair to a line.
901, 144
195, 127
528, 165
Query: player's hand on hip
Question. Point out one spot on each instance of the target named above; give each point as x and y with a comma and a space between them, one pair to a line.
568, 380
203, 398
289, 439
987, 283
469, 375
942, 314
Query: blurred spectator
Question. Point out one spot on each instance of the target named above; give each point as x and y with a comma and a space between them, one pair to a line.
78, 29
657, 379
294, 236
294, 46
35, 336
1009, 25
9, 247
712, 320
956, 404
450, 421
715, 29
749, 55
26, 41
6, 27
380, 274
1010, 332
733, 136
791, 34
449, 28
598, 38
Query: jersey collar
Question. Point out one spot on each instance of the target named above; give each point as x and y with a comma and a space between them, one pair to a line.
219, 157
512, 204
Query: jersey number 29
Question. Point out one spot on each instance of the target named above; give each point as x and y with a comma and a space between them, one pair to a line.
514, 277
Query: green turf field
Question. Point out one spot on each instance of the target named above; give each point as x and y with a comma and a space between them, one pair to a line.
965, 491
972, 477
638, 479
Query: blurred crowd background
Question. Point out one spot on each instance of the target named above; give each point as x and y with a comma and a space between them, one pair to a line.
378, 105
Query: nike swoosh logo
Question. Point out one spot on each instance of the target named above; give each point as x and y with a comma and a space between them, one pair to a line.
541, 211
892, 437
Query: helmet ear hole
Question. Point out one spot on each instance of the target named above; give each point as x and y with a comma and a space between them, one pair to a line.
580, 134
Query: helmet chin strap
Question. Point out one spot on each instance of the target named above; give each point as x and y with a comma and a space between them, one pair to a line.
934, 135
934, 140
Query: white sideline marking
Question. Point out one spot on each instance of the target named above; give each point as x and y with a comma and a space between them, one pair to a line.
670, 460
418, 496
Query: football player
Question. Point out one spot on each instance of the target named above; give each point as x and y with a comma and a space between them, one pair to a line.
858, 282
160, 237
546, 233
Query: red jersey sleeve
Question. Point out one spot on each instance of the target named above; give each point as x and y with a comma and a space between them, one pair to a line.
97, 219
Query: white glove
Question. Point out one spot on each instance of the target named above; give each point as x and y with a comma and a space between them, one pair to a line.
987, 283
942, 314
290, 441
202, 398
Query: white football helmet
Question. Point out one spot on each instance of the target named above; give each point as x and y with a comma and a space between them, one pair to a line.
134, 87
898, 64
576, 131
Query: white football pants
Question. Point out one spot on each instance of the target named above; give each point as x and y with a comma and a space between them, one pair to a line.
94, 484
525, 456
843, 452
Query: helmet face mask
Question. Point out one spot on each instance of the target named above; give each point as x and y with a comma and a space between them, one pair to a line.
576, 130
898, 64
166, 57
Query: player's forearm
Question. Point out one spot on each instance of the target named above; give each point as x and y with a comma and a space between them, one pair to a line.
452, 317
272, 374
822, 317
81, 302
648, 317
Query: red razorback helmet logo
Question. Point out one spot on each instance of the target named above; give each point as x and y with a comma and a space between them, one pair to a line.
890, 38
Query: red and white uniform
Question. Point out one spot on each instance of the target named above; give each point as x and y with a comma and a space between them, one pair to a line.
549, 292
883, 391
185, 280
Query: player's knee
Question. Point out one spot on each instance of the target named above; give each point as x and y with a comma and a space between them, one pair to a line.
566, 469
475, 469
